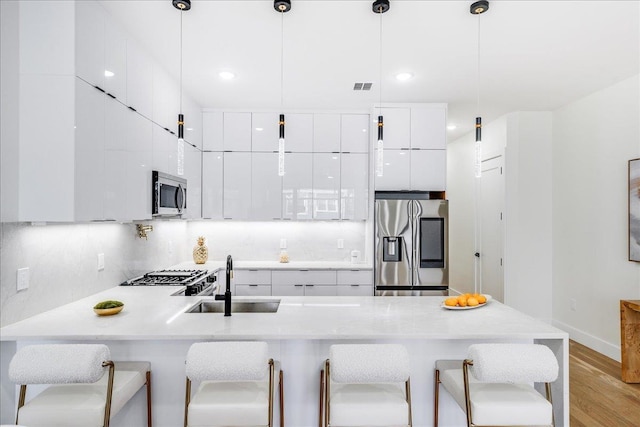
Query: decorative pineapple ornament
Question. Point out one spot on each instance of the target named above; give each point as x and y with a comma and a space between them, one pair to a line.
200, 252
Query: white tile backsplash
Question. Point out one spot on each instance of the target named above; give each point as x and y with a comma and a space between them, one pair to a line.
62, 259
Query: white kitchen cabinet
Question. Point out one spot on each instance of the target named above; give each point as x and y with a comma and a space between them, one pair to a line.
320, 291
354, 290
139, 157
287, 290
237, 185
161, 143
115, 117
192, 123
299, 132
428, 170
355, 133
116, 186
212, 166
89, 153
252, 277
297, 186
265, 132
139, 80
252, 290
266, 187
115, 60
212, 131
326, 186
326, 133
396, 174
193, 175
397, 127
354, 186
237, 131
162, 99
90, 43
355, 283
429, 127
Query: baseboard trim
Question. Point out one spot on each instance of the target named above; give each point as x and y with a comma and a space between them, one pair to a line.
593, 342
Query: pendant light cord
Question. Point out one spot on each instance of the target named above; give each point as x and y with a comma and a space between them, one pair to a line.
181, 12
380, 65
478, 71
281, 60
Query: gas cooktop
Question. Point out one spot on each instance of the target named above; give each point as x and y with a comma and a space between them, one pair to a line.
197, 282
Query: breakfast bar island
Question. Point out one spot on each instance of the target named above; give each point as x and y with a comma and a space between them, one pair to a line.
157, 327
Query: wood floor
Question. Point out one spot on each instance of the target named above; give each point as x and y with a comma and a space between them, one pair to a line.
598, 397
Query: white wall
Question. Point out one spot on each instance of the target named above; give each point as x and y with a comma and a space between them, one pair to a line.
524, 139
62, 259
594, 138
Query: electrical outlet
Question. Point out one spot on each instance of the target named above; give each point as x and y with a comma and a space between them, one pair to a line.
22, 279
574, 304
170, 247
100, 262
340, 243
283, 243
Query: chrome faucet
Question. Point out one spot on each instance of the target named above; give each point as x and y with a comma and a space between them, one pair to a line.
227, 292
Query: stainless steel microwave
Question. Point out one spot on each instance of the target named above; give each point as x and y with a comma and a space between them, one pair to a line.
169, 195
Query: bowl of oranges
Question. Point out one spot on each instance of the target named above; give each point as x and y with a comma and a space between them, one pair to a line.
466, 301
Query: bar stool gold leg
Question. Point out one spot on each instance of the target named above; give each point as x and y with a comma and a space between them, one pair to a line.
281, 398
436, 395
149, 420
321, 408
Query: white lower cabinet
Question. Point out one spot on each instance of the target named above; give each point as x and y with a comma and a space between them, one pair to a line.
252, 290
355, 283
304, 282
354, 290
287, 290
320, 290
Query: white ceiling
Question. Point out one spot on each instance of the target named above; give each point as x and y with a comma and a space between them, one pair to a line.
534, 55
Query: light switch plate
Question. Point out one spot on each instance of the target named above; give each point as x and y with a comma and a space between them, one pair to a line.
340, 243
283, 243
22, 280
100, 262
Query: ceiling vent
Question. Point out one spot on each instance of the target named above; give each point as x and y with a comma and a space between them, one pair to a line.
362, 86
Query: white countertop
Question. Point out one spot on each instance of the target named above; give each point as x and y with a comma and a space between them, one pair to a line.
275, 265
150, 313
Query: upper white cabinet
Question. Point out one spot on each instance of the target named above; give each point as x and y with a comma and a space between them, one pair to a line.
355, 133
397, 127
193, 175
428, 127
163, 102
428, 170
326, 186
212, 167
139, 80
354, 187
212, 133
326, 133
297, 186
414, 156
115, 61
396, 172
237, 185
90, 43
298, 132
266, 187
265, 132
237, 132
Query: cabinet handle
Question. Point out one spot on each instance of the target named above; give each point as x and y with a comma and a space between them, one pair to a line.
304, 270
132, 109
251, 269
253, 286
355, 285
111, 96
311, 286
100, 89
297, 286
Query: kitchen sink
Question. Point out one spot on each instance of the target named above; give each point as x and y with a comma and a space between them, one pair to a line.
243, 306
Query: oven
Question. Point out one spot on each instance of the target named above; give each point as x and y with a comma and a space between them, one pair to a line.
192, 282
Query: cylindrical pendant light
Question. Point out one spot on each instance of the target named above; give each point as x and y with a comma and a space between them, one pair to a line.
281, 6
380, 7
478, 8
181, 5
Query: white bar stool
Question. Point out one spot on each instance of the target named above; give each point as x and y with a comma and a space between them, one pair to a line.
366, 385
79, 394
494, 384
236, 385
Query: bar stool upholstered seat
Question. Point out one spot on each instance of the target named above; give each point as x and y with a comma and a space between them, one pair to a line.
79, 392
494, 385
236, 385
366, 385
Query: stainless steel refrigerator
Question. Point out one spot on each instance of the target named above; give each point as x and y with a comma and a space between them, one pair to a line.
411, 244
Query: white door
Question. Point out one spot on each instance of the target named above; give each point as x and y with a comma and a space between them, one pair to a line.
491, 208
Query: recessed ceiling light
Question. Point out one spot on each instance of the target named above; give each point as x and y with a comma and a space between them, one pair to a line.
108, 73
403, 76
451, 127
226, 75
